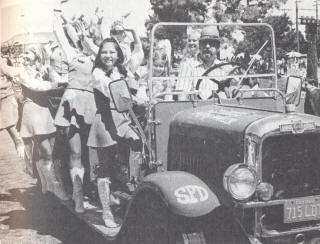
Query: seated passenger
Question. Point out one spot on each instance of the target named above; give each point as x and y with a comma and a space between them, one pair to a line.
190, 59
161, 69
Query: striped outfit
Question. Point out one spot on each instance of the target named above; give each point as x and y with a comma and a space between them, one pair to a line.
197, 68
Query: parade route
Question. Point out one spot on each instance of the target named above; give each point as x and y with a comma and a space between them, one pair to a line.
26, 216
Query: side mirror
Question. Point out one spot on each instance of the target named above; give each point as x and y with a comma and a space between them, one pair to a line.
120, 95
293, 90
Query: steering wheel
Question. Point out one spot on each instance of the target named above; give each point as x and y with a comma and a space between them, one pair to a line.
235, 68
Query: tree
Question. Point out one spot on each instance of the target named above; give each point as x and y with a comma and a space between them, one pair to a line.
221, 11
225, 10
285, 36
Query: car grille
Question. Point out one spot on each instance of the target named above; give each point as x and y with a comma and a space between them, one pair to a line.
291, 163
185, 154
207, 159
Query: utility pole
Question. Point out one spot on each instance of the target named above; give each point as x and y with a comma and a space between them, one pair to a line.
311, 27
297, 26
316, 42
316, 21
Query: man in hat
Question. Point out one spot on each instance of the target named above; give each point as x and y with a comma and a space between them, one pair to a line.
209, 46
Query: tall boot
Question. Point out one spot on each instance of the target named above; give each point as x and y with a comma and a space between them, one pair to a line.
77, 193
53, 184
104, 195
42, 177
135, 160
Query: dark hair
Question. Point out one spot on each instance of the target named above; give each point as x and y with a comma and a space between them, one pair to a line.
118, 64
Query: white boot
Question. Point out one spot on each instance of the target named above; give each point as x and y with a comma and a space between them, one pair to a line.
104, 195
53, 184
77, 193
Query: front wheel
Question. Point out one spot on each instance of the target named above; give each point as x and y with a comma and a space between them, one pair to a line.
149, 221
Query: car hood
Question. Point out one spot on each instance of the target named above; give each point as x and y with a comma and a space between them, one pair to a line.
291, 122
214, 121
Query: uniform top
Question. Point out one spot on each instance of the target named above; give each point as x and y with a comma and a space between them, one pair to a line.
80, 72
33, 81
101, 80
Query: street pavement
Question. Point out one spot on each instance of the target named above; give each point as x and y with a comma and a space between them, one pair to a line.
26, 215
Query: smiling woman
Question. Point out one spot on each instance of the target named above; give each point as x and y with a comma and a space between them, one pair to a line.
108, 126
109, 55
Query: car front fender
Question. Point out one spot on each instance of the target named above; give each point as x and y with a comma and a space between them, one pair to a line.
184, 193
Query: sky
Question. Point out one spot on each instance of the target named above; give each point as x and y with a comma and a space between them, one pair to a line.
21, 16
305, 8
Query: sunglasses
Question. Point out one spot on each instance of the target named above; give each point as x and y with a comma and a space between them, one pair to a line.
116, 32
210, 42
192, 45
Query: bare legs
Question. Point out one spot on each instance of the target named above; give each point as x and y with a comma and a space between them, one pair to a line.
45, 167
14, 134
76, 168
29, 155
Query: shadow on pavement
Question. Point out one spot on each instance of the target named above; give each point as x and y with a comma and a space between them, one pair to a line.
44, 214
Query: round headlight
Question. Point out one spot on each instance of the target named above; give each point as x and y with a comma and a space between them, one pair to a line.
240, 181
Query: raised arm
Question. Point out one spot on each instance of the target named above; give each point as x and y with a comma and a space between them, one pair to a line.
22, 76
70, 52
87, 43
137, 53
90, 46
36, 84
9, 70
104, 25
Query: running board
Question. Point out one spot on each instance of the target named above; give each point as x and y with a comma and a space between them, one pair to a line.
93, 218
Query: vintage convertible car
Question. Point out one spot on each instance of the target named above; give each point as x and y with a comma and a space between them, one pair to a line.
238, 169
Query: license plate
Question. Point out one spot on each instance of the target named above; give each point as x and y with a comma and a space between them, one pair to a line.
302, 209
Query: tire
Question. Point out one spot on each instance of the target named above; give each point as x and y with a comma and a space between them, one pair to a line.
146, 221
149, 221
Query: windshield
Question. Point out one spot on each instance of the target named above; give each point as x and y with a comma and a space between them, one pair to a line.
216, 58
